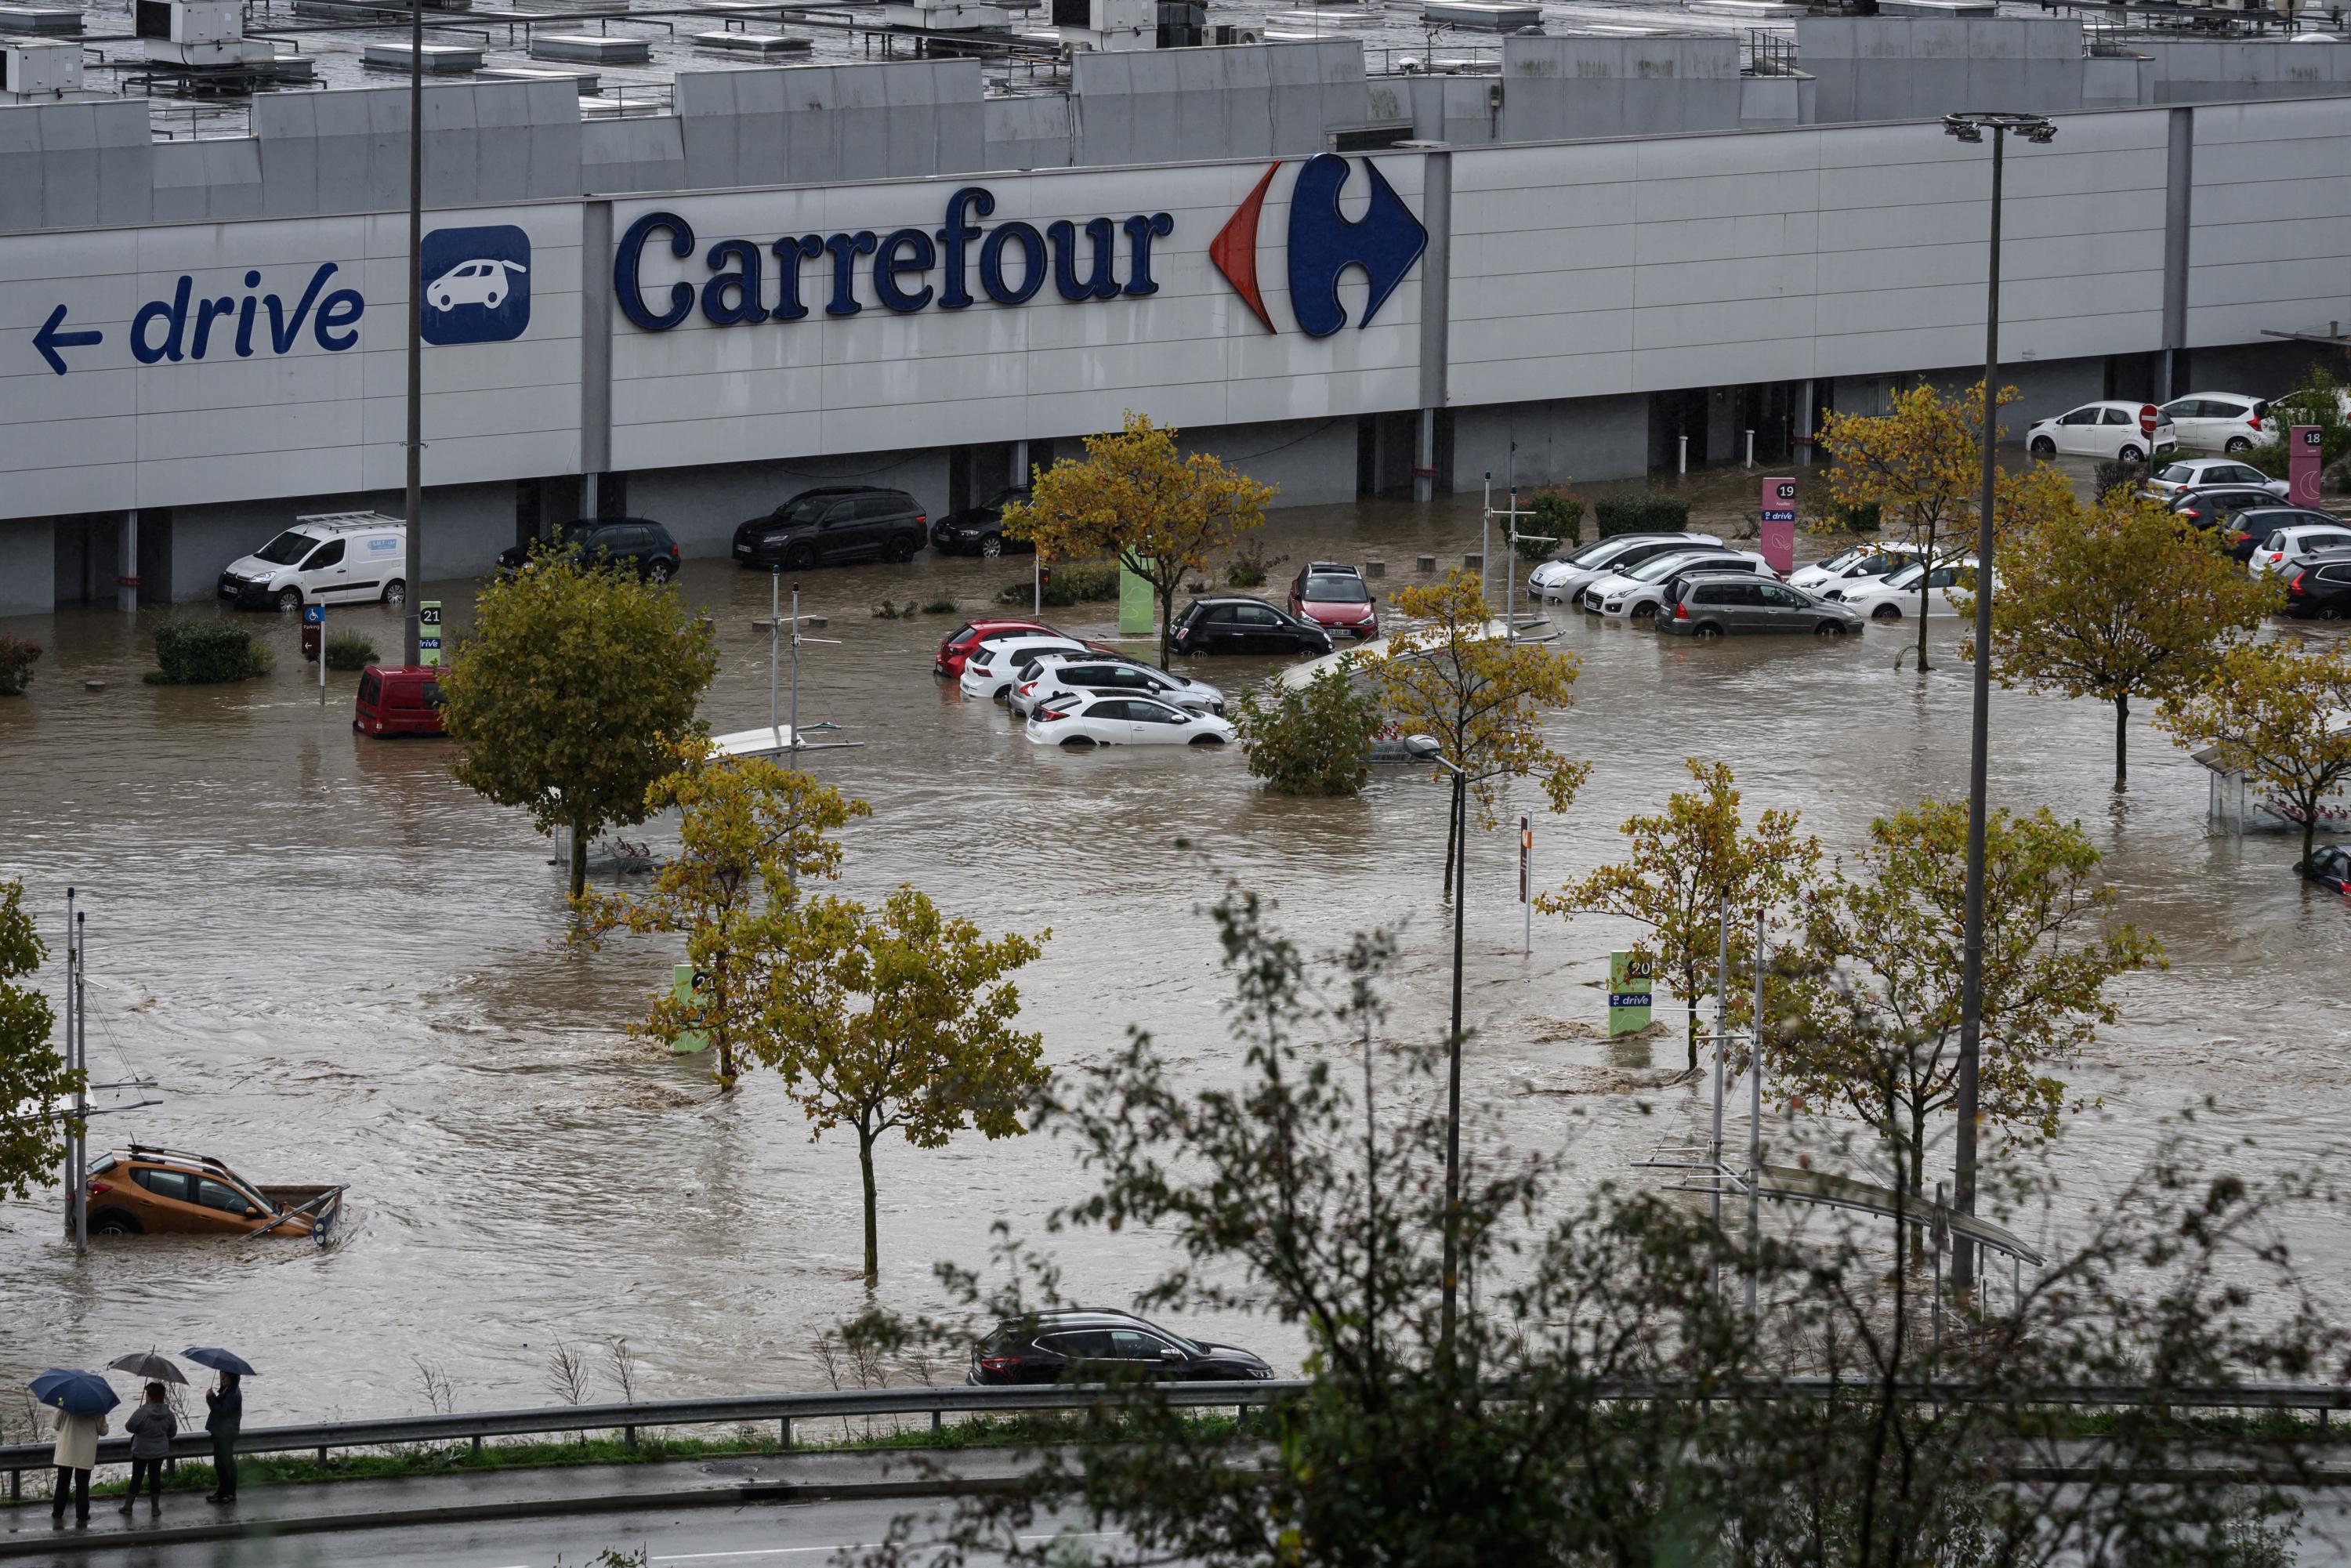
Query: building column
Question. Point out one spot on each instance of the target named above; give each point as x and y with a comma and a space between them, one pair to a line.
2178, 187
1436, 312
1804, 423
1019, 463
595, 354
126, 576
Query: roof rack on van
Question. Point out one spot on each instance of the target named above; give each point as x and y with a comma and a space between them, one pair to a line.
347, 522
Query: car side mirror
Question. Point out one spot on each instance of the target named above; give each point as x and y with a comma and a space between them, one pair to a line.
1170, 1357
252, 1213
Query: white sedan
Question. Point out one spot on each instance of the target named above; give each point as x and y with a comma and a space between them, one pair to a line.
1638, 594
1851, 564
1124, 721
990, 671
2109, 429
1898, 595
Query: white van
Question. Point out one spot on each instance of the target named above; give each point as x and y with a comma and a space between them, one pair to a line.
337, 558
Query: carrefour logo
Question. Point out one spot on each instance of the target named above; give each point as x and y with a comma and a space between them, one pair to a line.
476, 284
1321, 243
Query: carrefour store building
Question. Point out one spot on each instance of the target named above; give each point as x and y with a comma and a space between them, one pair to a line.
895, 274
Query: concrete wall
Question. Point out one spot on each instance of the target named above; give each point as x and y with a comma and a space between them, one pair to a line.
1893, 68
1558, 89
27, 567
700, 507
1312, 461
1133, 107
2272, 236
1560, 440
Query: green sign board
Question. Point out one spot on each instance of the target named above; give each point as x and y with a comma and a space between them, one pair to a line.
1628, 994
681, 989
1135, 605
428, 633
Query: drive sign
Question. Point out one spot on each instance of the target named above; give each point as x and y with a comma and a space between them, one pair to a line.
1777, 513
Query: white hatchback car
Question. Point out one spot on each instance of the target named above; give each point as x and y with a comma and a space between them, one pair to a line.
1049, 676
1124, 721
1639, 594
2108, 429
2221, 422
1563, 582
2199, 473
988, 669
1851, 564
2288, 548
1898, 595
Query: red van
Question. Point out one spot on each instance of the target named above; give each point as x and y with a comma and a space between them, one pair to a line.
399, 699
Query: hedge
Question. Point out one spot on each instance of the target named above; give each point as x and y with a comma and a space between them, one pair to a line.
206, 652
350, 650
1078, 582
1641, 515
16, 657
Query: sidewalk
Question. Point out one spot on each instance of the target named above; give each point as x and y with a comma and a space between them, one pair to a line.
329, 1506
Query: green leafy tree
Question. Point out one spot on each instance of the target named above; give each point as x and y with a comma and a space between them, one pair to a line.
751, 832
2275, 713
570, 693
2117, 601
1871, 1019
1313, 738
1685, 866
901, 1022
33, 1077
1132, 496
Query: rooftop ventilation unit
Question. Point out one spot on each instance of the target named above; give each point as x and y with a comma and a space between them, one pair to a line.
34, 71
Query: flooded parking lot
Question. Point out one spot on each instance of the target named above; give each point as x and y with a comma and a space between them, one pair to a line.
340, 964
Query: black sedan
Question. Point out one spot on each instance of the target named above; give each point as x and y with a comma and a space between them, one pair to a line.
1103, 1345
979, 531
2329, 866
1235, 624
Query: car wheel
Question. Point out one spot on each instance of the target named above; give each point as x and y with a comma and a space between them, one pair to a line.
1886, 613
1644, 613
2044, 447
1708, 632
115, 1222
1829, 629
901, 548
2130, 455
445, 301
2330, 613
395, 592
1077, 743
289, 599
2237, 443
1208, 740
799, 558
992, 546
660, 571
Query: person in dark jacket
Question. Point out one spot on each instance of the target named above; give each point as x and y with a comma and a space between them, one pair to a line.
151, 1428
225, 1413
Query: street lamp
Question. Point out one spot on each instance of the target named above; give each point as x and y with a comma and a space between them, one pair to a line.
412, 511
1427, 748
1970, 127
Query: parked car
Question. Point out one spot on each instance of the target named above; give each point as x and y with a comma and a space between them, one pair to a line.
1898, 595
141, 1191
1638, 594
2108, 429
2329, 866
2202, 472
1080, 719
2255, 525
1335, 598
1563, 582
1229, 624
638, 543
979, 531
2287, 548
958, 645
1051, 676
833, 524
1713, 603
989, 670
398, 699
335, 558
2215, 507
2320, 590
1096, 1345
1872, 559
2220, 422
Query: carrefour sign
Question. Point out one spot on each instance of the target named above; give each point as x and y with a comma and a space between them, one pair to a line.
964, 261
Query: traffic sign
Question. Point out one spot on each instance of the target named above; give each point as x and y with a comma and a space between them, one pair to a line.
1778, 511
428, 634
2305, 445
1629, 994
2147, 418
314, 615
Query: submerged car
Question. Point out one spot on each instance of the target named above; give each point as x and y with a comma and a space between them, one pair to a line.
141, 1191
979, 531
1334, 597
2329, 866
1091, 1344
1080, 719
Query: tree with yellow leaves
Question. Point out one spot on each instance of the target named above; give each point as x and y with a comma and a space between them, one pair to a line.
1131, 495
1453, 675
1685, 866
1922, 465
2117, 601
2279, 714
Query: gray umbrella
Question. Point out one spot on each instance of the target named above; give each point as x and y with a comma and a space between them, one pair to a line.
148, 1365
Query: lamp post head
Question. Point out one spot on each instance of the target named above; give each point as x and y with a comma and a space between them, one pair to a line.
1969, 125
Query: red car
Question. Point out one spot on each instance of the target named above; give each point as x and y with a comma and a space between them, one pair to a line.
1333, 597
959, 643
399, 699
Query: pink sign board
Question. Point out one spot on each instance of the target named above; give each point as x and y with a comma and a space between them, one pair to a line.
2303, 449
1777, 511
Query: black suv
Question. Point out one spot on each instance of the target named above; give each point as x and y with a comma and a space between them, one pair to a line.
639, 543
1241, 625
839, 523
979, 531
1090, 1344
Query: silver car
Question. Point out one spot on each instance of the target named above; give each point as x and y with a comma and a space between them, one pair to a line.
1061, 674
1711, 603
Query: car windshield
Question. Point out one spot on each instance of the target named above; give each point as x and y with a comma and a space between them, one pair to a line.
1843, 557
1908, 577
1336, 590
2178, 474
287, 547
1004, 499
1667, 565
806, 509
1597, 551
1880, 564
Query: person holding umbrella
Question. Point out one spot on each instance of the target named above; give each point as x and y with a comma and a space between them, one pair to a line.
81, 1400
151, 1428
224, 1414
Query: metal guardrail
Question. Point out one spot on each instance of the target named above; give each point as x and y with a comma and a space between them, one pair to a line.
939, 1402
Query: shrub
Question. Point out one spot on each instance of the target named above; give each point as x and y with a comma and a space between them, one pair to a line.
16, 657
1856, 516
1559, 514
885, 611
1080, 582
1641, 515
1310, 740
351, 651
206, 652
940, 604
1250, 566
2116, 476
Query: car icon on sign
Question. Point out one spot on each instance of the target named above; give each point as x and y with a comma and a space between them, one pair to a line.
482, 283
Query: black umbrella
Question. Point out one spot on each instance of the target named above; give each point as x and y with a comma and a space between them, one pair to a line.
219, 1360
148, 1366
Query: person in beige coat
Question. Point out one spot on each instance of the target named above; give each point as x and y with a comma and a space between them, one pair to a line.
75, 1455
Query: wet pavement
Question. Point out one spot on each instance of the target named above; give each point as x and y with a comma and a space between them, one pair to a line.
340, 964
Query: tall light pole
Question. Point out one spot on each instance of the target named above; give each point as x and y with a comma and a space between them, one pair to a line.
414, 514
1427, 748
1970, 127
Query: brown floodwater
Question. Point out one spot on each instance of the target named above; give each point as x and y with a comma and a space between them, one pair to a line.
340, 965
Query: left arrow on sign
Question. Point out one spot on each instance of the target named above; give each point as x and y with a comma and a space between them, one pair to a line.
49, 339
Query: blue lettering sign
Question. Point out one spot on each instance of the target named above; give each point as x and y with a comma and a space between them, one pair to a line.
184, 327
